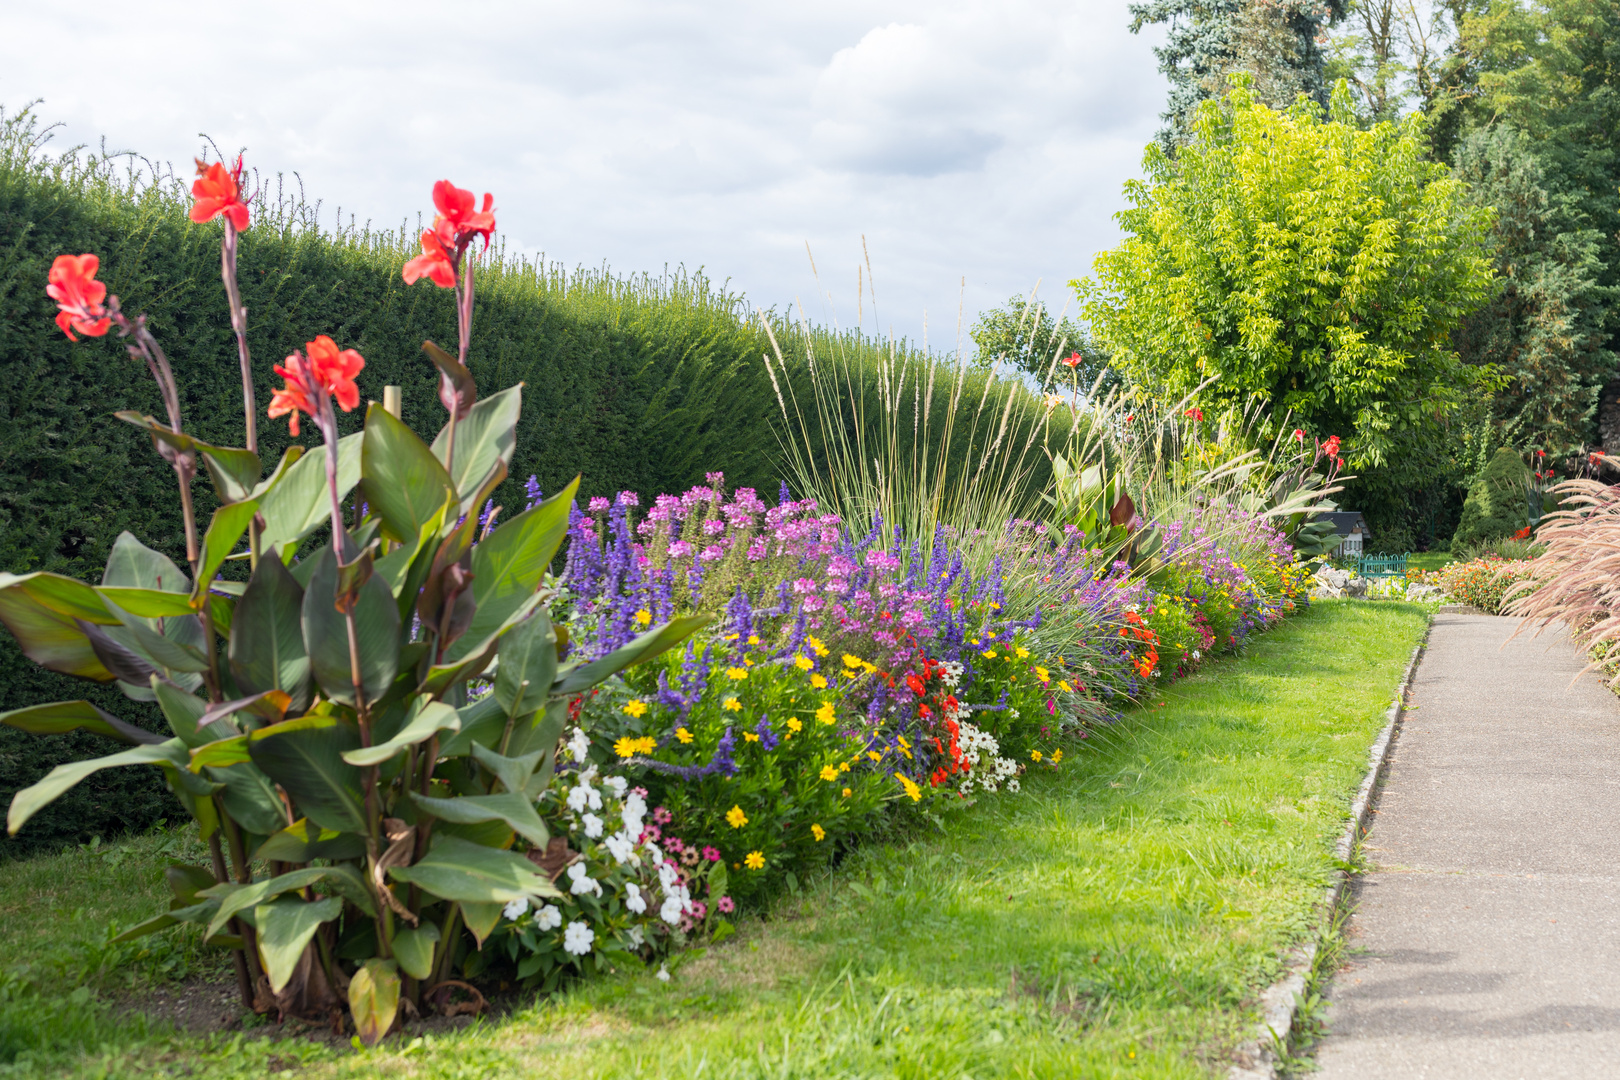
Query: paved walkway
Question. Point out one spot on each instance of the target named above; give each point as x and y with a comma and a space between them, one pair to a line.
1489, 929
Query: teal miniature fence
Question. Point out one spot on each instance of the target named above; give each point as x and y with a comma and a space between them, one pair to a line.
1383, 566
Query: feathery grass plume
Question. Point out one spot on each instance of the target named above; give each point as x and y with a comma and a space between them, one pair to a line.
1576, 579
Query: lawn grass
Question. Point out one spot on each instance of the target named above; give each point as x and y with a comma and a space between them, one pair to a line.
1427, 560
1114, 919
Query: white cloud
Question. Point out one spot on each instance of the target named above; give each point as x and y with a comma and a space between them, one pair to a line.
976, 139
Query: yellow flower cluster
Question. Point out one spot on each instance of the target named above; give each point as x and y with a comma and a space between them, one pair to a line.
910, 787
636, 708
628, 747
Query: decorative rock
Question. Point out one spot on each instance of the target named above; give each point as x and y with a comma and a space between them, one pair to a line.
1356, 587
1425, 592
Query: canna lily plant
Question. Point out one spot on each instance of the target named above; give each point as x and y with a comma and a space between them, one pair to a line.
367, 818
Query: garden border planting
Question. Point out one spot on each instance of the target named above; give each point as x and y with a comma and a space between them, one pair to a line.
1279, 1003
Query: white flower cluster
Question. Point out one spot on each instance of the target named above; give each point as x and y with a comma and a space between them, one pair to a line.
592, 803
979, 748
951, 673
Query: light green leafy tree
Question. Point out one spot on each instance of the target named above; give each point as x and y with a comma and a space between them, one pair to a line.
1306, 262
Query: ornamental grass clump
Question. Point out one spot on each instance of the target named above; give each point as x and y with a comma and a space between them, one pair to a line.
1573, 582
368, 825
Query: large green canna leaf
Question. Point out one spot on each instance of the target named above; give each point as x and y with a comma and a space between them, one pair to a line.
414, 949
425, 719
481, 722
229, 525
60, 717
185, 713
374, 1000
515, 808
284, 929
235, 472
305, 756
266, 649
250, 797
170, 755
343, 880
538, 732
178, 648
509, 565
326, 634
133, 565
480, 919
528, 665
576, 678
303, 841
458, 870
40, 611
194, 913
404, 483
298, 502
512, 772
148, 603
485, 440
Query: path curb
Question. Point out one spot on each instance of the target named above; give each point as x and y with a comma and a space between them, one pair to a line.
1280, 1001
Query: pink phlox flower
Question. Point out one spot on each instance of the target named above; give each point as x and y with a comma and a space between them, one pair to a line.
804, 585
680, 549
713, 527
712, 854
711, 553
629, 498
600, 504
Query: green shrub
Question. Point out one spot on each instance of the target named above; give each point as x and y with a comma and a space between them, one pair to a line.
1496, 505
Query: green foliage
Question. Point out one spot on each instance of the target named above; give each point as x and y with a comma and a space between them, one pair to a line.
1545, 329
1274, 44
1024, 333
1303, 261
637, 383
330, 755
1497, 503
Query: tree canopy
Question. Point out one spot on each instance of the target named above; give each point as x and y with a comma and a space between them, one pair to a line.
1303, 259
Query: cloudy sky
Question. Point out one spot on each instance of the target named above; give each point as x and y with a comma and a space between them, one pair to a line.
963, 138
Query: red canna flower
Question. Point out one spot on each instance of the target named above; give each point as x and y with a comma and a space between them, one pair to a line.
1331, 447
295, 397
73, 285
332, 369
218, 190
1073, 361
335, 369
1197, 415
434, 263
1299, 435
457, 220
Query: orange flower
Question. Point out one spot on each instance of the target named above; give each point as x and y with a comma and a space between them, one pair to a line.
292, 398
335, 370
434, 263
332, 369
73, 285
219, 191
457, 219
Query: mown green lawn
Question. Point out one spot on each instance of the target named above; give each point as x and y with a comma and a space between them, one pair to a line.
1115, 919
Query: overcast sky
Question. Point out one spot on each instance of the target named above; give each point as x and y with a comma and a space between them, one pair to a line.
963, 138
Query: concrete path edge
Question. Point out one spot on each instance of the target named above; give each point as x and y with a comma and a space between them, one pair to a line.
1256, 1057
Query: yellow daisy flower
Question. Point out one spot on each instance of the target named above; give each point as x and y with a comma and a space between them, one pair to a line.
636, 708
755, 860
818, 832
736, 818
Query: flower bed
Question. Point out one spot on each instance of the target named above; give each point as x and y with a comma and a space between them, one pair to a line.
1480, 583
849, 683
